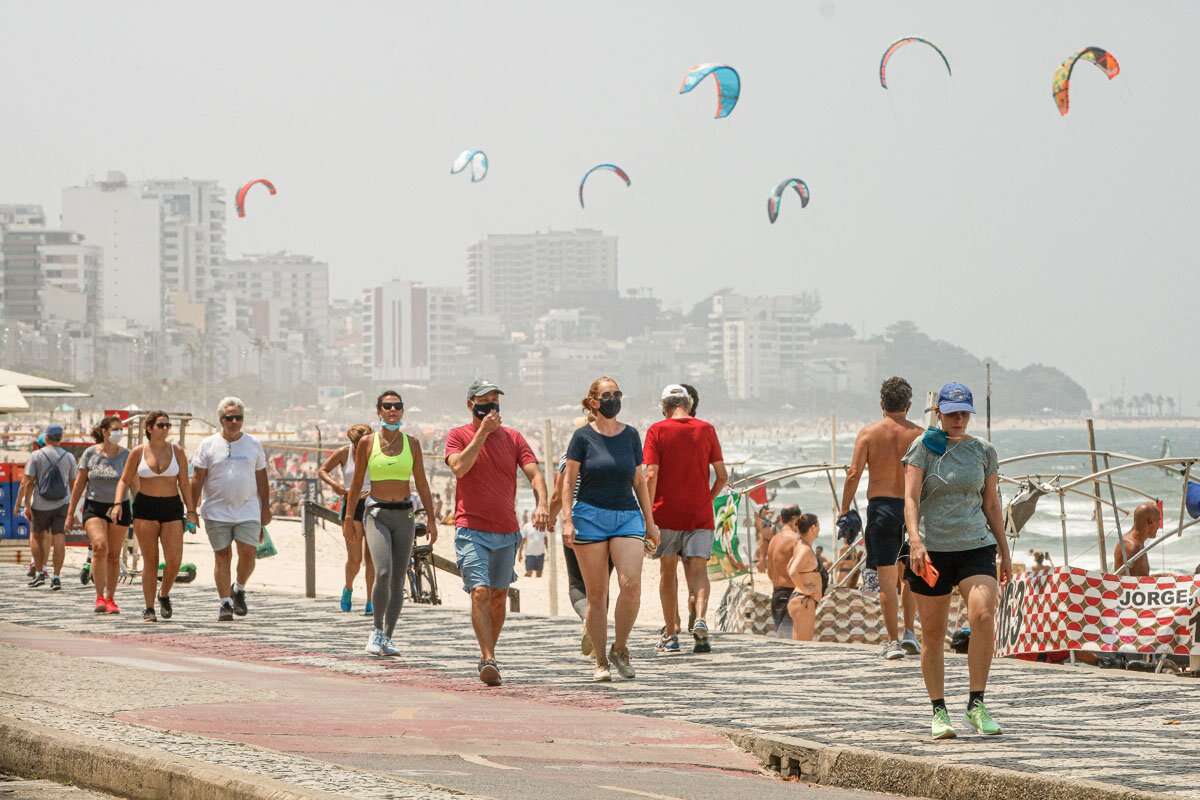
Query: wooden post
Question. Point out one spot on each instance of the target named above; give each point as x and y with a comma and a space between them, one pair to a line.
548, 455
1098, 508
833, 459
310, 553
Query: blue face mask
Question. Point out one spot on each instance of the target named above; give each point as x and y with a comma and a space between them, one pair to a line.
935, 441
392, 426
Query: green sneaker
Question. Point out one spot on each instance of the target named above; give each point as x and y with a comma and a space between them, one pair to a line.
979, 719
942, 727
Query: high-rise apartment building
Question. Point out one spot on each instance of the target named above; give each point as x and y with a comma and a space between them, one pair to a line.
293, 289
19, 270
517, 276
71, 275
410, 331
759, 343
161, 240
45, 273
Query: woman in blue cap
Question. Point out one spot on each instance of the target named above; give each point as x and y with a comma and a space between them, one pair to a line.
950, 488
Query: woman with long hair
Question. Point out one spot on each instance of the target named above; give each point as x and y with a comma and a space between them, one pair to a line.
804, 570
352, 523
955, 531
157, 470
392, 460
610, 518
100, 469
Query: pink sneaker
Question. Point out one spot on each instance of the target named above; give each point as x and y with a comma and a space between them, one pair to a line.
110, 606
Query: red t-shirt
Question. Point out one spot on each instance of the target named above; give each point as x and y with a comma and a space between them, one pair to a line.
486, 497
683, 448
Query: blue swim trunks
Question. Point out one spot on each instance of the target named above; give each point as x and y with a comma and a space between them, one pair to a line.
485, 558
595, 524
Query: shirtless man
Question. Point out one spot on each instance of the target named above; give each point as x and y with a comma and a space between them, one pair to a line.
779, 553
1145, 526
879, 448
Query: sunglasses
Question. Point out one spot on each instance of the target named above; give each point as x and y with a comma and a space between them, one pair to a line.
617, 395
163, 425
391, 406
232, 418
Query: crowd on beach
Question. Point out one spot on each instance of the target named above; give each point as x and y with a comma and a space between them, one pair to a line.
932, 525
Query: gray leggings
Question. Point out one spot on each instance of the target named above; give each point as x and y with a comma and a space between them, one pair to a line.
389, 533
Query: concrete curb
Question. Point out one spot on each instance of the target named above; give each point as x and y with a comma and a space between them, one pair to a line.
38, 752
915, 776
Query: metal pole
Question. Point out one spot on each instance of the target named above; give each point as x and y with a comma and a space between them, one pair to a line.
1062, 518
310, 553
1098, 510
833, 460
551, 541
1112, 493
989, 401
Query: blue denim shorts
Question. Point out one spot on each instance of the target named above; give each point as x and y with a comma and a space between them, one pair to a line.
595, 524
486, 559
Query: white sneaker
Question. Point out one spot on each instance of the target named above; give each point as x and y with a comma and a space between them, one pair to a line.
870, 583
910, 644
375, 643
601, 674
388, 648
892, 650
620, 661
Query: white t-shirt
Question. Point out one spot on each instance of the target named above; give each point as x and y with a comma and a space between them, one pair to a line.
535, 540
230, 487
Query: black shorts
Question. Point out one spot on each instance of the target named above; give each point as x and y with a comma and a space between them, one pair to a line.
885, 531
358, 510
953, 568
779, 602
95, 509
158, 509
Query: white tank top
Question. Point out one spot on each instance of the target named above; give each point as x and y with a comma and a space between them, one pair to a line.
348, 474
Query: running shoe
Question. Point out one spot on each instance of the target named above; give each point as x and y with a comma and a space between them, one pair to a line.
388, 648
667, 645
910, 644
979, 719
101, 606
368, 609
375, 643
225, 614
942, 727
347, 594
700, 634
148, 615
239, 602
892, 651
489, 671
164, 606
38, 579
601, 674
870, 583
585, 643
619, 659
55, 583
111, 607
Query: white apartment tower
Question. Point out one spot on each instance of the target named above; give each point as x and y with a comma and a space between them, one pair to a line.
410, 331
516, 276
758, 344
293, 288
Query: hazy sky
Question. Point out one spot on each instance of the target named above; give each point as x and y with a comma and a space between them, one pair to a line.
965, 204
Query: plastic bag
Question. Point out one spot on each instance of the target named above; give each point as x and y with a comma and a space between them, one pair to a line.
266, 548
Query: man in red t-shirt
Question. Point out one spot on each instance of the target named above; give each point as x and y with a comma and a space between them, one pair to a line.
678, 453
484, 457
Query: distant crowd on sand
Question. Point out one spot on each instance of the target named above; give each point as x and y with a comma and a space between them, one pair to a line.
932, 528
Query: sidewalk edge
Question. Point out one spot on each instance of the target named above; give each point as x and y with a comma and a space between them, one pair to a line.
917, 776
36, 751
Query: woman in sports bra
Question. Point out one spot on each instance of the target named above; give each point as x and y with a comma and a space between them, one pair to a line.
392, 460
356, 548
804, 570
158, 471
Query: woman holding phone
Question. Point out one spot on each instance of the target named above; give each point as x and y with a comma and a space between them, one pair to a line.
955, 532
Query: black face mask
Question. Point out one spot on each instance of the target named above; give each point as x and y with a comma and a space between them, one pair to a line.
481, 410
611, 407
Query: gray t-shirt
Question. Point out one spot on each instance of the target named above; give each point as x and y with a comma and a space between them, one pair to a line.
103, 472
952, 516
49, 457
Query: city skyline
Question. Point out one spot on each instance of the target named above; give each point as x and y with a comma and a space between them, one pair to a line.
947, 193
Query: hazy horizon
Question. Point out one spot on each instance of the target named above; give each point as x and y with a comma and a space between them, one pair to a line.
963, 203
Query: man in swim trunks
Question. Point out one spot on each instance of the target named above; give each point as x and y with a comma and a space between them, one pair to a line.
878, 449
1145, 526
779, 554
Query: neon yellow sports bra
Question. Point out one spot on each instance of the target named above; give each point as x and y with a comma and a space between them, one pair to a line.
382, 467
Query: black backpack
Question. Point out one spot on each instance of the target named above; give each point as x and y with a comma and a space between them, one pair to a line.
50, 483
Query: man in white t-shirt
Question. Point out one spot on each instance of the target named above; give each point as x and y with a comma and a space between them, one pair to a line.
533, 547
231, 476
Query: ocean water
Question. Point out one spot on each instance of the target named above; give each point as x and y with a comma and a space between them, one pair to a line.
1044, 530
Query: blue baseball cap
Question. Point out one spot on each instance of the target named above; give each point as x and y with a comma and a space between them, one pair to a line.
54, 432
955, 397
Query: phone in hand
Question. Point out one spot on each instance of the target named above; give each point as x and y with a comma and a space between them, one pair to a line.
929, 574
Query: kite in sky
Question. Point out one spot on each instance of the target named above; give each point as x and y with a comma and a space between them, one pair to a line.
776, 198
1061, 86
241, 195
610, 167
478, 161
726, 79
896, 45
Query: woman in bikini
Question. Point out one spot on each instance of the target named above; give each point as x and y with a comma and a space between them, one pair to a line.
157, 470
357, 552
805, 572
